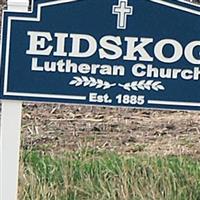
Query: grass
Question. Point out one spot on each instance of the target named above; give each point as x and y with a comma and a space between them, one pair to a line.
92, 175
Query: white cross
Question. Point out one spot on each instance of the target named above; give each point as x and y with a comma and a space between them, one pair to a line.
122, 11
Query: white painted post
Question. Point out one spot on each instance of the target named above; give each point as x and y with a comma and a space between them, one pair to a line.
10, 143
10, 132
18, 5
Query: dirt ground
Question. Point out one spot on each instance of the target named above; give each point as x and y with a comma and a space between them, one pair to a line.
62, 128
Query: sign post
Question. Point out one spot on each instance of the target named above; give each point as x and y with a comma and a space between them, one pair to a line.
10, 144
10, 132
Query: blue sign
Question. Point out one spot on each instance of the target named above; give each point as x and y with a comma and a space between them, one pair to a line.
136, 53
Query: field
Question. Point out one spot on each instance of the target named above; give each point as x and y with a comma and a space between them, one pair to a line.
71, 152
94, 175
89, 153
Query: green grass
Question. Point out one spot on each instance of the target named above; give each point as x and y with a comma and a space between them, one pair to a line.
90, 175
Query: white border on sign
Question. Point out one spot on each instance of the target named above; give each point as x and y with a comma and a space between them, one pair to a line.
37, 19
178, 7
189, 3
71, 97
172, 103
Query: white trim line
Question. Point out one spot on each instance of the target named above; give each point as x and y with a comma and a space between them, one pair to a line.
1, 39
67, 97
189, 3
173, 103
176, 6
